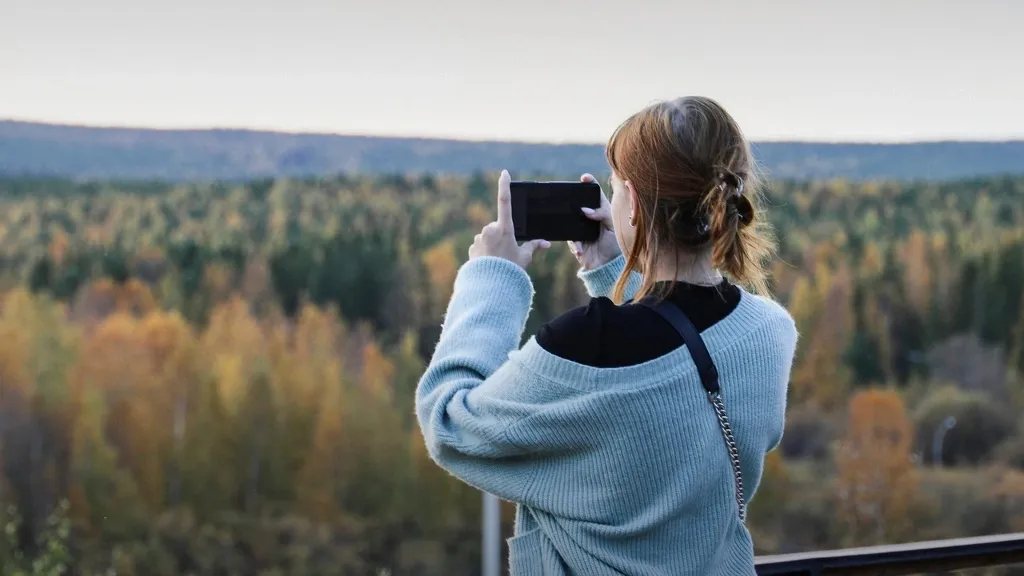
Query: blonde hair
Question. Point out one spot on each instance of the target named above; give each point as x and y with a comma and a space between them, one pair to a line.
697, 189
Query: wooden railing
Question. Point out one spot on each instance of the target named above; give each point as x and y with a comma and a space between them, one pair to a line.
916, 558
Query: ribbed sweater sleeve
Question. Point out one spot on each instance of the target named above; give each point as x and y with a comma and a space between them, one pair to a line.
601, 281
470, 394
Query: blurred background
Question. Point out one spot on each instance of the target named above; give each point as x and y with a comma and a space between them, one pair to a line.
228, 233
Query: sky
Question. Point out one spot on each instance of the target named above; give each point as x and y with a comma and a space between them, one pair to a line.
530, 70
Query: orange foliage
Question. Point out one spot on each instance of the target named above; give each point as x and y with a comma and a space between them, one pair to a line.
116, 363
113, 359
104, 297
876, 477
167, 337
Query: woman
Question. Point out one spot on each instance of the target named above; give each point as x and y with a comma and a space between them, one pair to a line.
608, 429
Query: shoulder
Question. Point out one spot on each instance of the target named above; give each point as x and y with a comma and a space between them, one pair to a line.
768, 309
777, 314
776, 324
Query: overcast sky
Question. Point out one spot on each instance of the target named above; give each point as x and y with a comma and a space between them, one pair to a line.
552, 70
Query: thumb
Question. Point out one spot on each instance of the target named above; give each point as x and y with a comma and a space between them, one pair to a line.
528, 248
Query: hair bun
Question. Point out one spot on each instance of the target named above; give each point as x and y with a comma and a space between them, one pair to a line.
730, 185
744, 210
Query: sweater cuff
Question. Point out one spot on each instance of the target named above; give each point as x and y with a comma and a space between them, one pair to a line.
503, 281
601, 280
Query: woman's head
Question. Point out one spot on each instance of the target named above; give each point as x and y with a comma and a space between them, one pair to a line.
685, 191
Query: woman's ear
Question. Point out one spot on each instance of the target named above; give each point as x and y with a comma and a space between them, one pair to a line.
634, 202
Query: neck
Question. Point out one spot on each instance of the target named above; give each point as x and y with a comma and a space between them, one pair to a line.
691, 269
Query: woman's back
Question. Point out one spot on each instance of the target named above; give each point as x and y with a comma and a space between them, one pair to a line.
627, 472
600, 429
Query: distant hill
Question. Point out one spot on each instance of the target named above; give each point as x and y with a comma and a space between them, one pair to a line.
28, 148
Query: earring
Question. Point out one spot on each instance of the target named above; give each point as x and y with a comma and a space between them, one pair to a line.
632, 222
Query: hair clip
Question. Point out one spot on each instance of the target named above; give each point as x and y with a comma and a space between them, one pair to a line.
724, 179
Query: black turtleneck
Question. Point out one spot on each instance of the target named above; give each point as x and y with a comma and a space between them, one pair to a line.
604, 335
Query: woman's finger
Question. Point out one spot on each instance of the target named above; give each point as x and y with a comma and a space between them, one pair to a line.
505, 201
602, 215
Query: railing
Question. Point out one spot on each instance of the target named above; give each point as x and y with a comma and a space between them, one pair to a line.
916, 558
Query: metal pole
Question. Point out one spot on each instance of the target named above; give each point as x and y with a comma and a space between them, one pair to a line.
939, 436
491, 544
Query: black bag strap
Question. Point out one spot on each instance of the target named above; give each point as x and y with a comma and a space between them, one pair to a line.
708, 379
701, 357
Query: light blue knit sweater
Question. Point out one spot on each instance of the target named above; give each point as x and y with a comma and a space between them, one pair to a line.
613, 470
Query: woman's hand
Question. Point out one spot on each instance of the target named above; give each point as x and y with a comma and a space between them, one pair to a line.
593, 255
498, 238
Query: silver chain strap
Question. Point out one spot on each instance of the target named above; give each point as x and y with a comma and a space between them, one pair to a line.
734, 454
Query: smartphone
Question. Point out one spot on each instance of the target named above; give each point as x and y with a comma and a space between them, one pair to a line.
552, 210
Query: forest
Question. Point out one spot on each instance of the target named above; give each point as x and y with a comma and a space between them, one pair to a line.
217, 379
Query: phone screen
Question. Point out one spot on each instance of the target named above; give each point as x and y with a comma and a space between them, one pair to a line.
552, 210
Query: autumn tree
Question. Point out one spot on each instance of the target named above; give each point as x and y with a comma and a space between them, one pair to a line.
876, 481
825, 316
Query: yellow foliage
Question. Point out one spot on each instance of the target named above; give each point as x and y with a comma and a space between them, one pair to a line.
377, 372
37, 345
233, 343
441, 268
478, 215
305, 360
15, 349
232, 378
320, 478
824, 315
